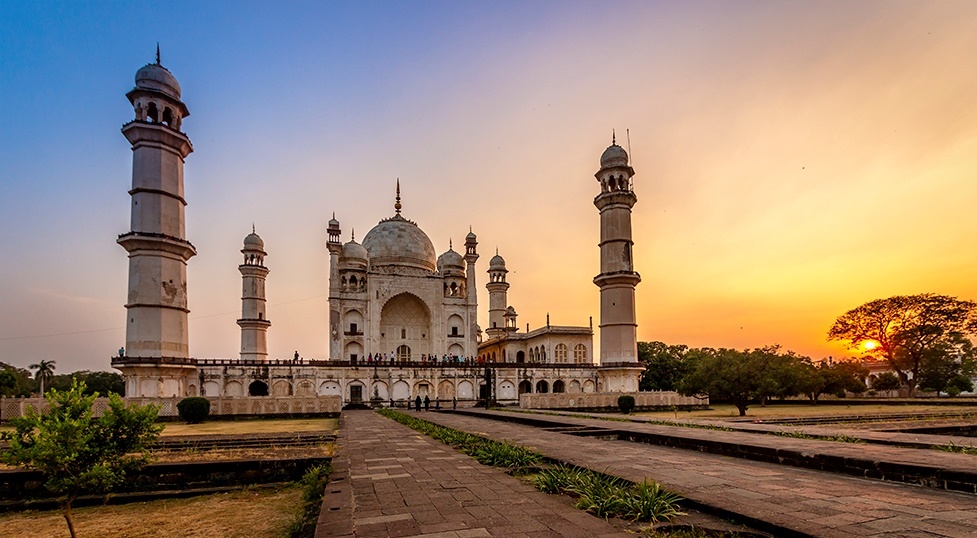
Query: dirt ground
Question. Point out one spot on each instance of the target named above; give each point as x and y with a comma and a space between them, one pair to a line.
282, 425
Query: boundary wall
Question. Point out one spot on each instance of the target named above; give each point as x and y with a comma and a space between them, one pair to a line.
643, 401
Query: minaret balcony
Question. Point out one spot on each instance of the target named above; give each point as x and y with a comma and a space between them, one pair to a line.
617, 278
134, 241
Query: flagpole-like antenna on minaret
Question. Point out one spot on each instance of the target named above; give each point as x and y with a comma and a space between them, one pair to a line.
397, 205
631, 157
157, 53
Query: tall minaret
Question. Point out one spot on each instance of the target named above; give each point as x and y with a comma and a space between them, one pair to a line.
617, 278
497, 288
156, 324
254, 320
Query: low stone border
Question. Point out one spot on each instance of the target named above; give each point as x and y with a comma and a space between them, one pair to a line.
20, 489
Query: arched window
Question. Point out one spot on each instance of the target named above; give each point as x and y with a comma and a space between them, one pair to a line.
559, 386
168, 117
258, 388
560, 353
153, 113
580, 354
403, 353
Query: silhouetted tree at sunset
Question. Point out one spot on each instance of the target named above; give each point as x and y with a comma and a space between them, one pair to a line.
907, 330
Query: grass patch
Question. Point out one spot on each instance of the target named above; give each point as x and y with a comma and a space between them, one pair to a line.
258, 513
801, 435
275, 425
957, 449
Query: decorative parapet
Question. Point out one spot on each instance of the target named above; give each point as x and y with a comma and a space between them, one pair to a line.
219, 406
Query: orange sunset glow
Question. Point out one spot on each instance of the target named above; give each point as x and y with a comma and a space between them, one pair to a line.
793, 160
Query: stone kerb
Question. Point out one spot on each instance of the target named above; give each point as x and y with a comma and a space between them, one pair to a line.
219, 406
590, 400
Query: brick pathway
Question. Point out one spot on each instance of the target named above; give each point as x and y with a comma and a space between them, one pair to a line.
806, 502
389, 480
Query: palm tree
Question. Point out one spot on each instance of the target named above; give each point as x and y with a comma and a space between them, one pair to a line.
45, 369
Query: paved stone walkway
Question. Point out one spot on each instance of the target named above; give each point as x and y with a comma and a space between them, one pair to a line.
806, 502
389, 480
932, 463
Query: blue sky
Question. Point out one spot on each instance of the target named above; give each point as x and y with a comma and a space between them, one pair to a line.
778, 147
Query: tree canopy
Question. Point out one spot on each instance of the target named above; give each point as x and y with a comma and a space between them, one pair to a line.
729, 374
907, 330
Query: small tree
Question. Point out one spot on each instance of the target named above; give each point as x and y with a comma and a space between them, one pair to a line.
886, 381
76, 452
728, 374
8, 383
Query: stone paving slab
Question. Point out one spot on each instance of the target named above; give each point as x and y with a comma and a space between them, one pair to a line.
803, 502
932, 468
389, 480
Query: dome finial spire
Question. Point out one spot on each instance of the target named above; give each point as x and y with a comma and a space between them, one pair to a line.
352, 235
157, 53
613, 138
252, 228
450, 246
397, 205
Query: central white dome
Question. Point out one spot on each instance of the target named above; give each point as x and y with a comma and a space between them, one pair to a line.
399, 242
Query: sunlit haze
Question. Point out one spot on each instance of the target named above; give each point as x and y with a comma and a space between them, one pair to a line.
793, 159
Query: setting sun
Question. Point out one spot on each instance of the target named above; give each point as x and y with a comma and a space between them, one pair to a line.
869, 345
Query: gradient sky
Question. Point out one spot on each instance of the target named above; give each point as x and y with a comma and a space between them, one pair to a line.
794, 159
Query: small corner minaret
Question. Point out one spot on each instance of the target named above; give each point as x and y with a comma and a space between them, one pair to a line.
617, 278
497, 288
254, 319
335, 247
471, 256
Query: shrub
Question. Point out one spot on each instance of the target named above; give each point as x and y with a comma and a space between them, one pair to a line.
625, 403
194, 409
313, 485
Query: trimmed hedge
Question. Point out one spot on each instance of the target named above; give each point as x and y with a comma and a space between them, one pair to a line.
194, 409
625, 403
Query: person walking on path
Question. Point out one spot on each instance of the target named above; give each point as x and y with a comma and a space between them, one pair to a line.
417, 403
427, 403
